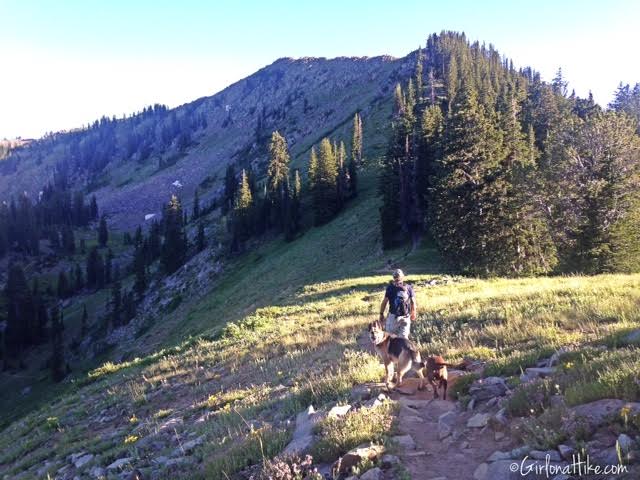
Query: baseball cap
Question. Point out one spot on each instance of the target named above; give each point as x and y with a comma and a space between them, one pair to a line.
397, 273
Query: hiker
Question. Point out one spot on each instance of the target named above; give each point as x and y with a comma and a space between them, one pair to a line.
402, 306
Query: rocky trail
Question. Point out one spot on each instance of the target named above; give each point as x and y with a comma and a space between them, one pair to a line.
440, 441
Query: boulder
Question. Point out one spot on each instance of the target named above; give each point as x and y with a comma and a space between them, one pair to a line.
98, 472
633, 336
598, 413
541, 372
303, 437
555, 358
608, 456
121, 462
498, 455
374, 402
446, 422
625, 442
486, 388
354, 457
339, 411
479, 420
188, 447
480, 472
83, 460
360, 393
520, 452
405, 442
373, 474
389, 461
566, 452
552, 455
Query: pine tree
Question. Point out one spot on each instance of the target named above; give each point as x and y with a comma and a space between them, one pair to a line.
68, 240
138, 237
21, 312
174, 248
155, 241
356, 140
294, 212
196, 205
78, 278
57, 363
242, 212
93, 209
342, 182
277, 176
63, 285
352, 171
200, 240
230, 187
429, 153
103, 232
419, 75
140, 270
84, 326
325, 200
108, 267
116, 305
464, 191
92, 275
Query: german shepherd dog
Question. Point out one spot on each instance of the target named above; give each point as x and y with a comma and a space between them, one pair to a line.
398, 354
436, 369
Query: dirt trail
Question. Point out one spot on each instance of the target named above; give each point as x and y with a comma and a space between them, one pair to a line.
457, 456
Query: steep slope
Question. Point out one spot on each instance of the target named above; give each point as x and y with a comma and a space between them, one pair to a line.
305, 99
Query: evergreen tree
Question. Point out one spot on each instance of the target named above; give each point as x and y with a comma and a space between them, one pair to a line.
138, 237
356, 140
277, 177
103, 232
92, 268
116, 305
352, 171
174, 248
78, 280
68, 240
57, 363
325, 201
430, 152
84, 326
21, 313
93, 209
63, 285
108, 267
196, 205
200, 239
242, 211
230, 188
293, 211
140, 270
155, 241
342, 182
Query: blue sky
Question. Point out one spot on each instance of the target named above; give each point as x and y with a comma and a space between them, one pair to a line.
65, 63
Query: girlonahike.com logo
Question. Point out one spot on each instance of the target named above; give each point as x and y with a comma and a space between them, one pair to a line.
579, 466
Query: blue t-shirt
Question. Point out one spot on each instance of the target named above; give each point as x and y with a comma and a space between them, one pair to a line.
398, 294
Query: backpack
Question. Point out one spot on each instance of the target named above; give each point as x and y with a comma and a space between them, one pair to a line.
402, 301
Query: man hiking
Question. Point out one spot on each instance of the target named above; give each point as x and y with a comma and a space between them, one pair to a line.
402, 306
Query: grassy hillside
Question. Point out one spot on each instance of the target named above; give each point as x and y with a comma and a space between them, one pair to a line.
284, 328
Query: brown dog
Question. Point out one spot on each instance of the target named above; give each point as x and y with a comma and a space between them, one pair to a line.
436, 369
397, 354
